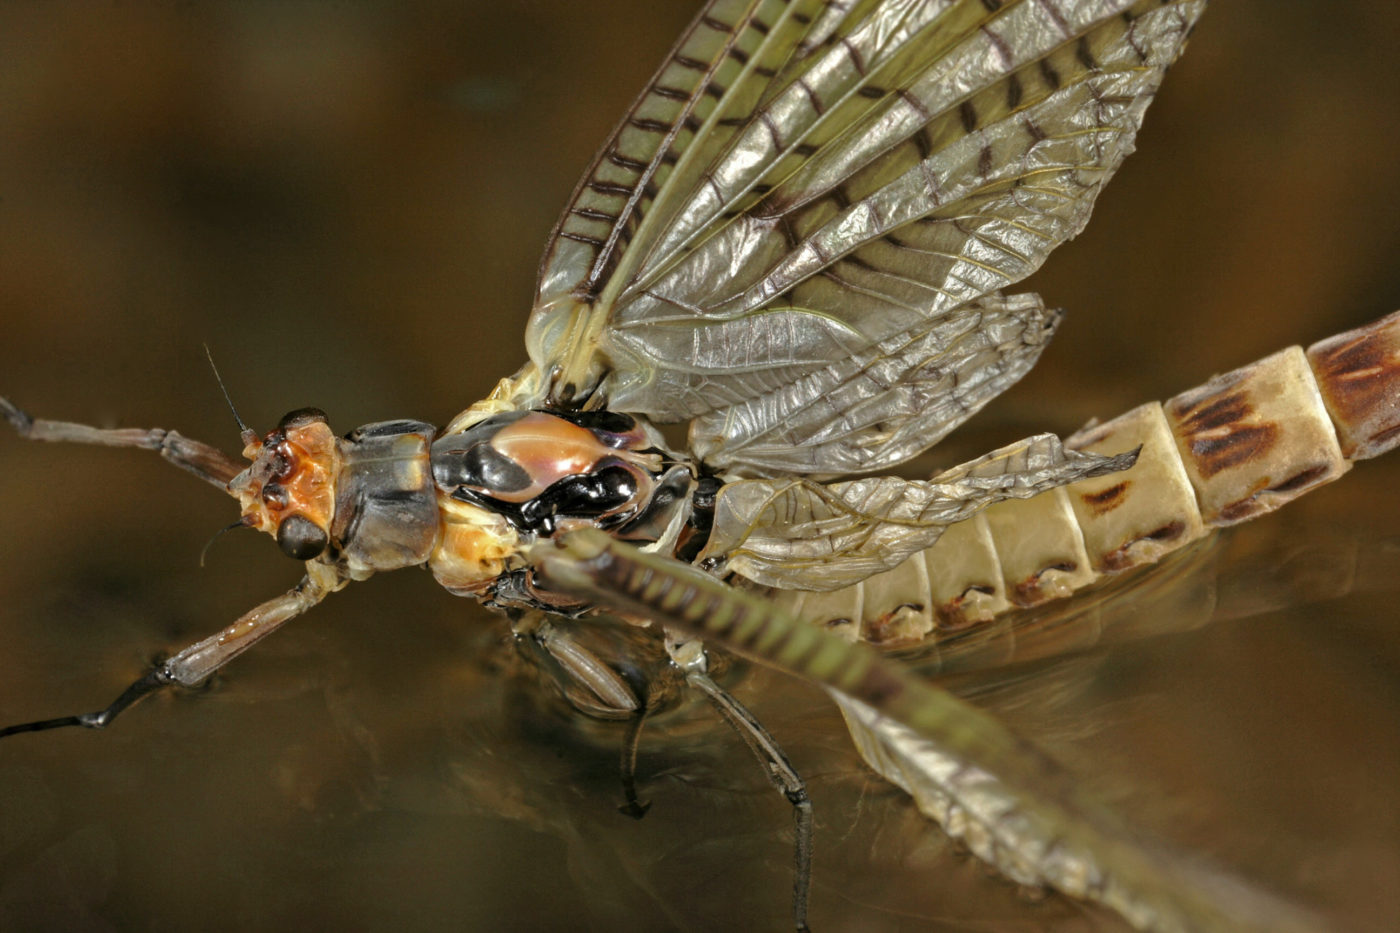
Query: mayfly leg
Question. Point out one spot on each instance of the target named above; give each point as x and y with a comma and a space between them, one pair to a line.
593, 687
633, 805
208, 463
689, 655
196, 662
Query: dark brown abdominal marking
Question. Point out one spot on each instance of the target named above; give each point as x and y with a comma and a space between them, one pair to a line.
1213, 426
1349, 371
1117, 559
1358, 373
885, 629
952, 614
1233, 449
1301, 480
1106, 500
1028, 591
1383, 438
1238, 511
1168, 532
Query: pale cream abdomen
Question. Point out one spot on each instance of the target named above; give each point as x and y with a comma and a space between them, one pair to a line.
1241, 445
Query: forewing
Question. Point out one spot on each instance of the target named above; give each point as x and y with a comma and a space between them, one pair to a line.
719, 67
831, 181
803, 535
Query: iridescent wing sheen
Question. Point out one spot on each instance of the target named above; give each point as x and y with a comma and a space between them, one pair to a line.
808, 183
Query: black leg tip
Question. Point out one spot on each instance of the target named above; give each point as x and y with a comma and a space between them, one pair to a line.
634, 808
18, 418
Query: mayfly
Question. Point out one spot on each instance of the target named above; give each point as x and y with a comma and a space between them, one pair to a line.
643, 491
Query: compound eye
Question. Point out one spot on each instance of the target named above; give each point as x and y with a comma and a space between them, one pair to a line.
300, 538
300, 418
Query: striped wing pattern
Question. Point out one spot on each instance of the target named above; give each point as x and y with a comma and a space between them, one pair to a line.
725, 57
806, 183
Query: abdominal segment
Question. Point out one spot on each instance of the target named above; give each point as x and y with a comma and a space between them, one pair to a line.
1238, 446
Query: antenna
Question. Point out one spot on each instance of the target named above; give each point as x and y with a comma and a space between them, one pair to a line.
246, 433
204, 552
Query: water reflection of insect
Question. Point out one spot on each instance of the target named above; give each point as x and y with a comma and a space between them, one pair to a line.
581, 492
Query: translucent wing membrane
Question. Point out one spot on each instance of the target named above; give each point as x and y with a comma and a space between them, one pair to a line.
1150, 886
802, 183
798, 534
886, 402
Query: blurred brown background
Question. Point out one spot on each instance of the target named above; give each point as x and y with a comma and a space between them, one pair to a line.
347, 201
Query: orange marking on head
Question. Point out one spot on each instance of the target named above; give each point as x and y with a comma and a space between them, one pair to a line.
293, 473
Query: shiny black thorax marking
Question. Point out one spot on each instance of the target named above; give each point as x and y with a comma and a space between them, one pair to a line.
537, 468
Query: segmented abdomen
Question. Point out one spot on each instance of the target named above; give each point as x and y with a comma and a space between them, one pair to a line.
1238, 446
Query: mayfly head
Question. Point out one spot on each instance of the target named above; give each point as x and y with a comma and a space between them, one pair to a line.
289, 488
